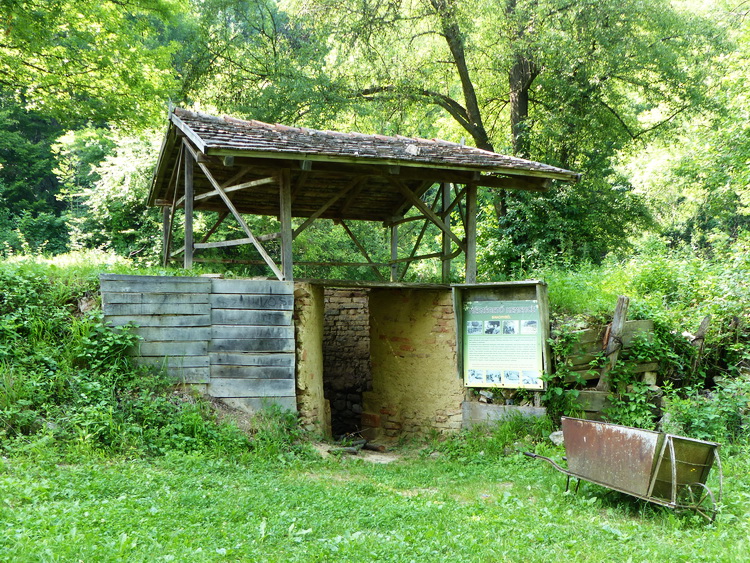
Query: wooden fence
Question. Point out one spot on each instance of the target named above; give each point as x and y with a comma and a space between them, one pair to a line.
233, 338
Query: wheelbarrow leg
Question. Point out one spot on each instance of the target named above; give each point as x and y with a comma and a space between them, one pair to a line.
567, 484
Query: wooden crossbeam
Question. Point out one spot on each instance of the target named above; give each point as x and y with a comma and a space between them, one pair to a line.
230, 189
362, 250
456, 200
310, 220
404, 206
212, 230
428, 212
418, 241
228, 202
224, 243
426, 257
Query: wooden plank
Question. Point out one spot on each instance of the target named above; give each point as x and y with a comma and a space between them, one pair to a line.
251, 388
245, 332
363, 250
154, 298
394, 253
229, 359
223, 243
446, 241
422, 206
635, 329
643, 368
583, 374
253, 405
338, 195
252, 345
252, 372
191, 375
193, 286
239, 317
594, 401
153, 279
159, 320
174, 334
260, 287
152, 309
244, 301
199, 348
237, 187
175, 361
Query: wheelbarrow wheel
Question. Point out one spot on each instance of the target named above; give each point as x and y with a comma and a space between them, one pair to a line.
698, 498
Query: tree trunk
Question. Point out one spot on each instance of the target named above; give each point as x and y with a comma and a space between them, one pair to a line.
520, 77
452, 32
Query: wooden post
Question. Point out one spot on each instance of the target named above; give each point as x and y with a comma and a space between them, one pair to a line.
614, 342
446, 261
189, 241
285, 217
165, 225
394, 253
471, 233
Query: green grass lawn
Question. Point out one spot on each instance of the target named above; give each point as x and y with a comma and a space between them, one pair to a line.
420, 508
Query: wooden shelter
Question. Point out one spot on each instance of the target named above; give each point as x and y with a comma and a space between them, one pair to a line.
237, 167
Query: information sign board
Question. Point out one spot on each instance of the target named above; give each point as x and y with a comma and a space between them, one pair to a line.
502, 344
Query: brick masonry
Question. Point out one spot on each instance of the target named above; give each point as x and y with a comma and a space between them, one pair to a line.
346, 356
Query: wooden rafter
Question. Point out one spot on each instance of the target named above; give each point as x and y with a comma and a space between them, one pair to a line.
362, 250
428, 212
310, 220
216, 225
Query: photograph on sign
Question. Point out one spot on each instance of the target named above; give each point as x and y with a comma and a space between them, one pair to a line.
502, 344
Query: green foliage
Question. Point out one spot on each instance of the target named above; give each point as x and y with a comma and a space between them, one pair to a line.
721, 414
191, 507
486, 443
87, 60
107, 175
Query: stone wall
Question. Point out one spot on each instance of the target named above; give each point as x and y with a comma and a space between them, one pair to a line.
415, 384
346, 356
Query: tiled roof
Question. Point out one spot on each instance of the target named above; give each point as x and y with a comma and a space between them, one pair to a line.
230, 135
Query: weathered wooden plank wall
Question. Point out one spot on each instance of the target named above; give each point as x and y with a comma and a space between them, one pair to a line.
234, 337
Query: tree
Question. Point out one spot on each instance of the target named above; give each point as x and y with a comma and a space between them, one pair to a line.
73, 60
250, 58
568, 83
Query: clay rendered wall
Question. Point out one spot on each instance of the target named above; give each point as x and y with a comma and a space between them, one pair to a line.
308, 326
346, 356
415, 385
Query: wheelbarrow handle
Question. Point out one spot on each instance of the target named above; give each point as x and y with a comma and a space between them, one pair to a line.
537, 456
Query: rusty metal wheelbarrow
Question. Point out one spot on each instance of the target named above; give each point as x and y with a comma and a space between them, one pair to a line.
657, 467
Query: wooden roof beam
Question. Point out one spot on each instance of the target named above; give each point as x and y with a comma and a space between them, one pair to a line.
325, 207
411, 196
